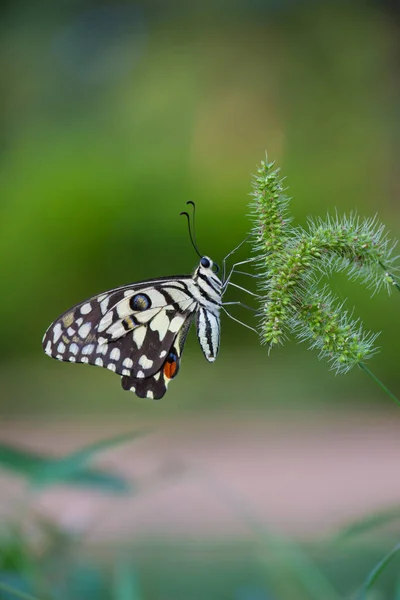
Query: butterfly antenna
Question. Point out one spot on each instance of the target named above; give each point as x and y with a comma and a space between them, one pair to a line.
193, 221
191, 227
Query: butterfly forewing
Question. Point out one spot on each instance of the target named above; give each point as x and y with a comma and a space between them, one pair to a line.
139, 330
129, 331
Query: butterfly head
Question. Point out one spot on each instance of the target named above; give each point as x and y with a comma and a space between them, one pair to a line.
208, 269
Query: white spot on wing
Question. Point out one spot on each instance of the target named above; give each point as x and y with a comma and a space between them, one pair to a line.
83, 331
86, 308
102, 349
61, 348
105, 321
116, 330
126, 372
111, 366
48, 348
115, 354
74, 349
179, 284
79, 321
124, 308
84, 359
145, 362
163, 353
72, 359
88, 349
177, 295
132, 388
71, 331
176, 323
146, 315
104, 305
157, 376
98, 362
150, 395
128, 362
160, 323
57, 332
138, 336
140, 375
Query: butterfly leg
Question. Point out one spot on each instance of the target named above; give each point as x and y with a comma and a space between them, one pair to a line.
237, 320
230, 254
248, 274
236, 303
233, 269
239, 287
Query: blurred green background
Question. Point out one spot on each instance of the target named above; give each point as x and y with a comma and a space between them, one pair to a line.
113, 115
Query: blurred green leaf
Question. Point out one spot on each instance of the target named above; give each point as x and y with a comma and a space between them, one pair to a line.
126, 583
12, 592
377, 571
43, 471
66, 468
85, 581
378, 519
29, 465
287, 566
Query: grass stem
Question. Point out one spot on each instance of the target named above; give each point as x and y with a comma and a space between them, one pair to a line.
379, 382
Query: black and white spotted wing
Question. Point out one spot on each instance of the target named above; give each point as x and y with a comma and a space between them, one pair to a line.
139, 330
156, 385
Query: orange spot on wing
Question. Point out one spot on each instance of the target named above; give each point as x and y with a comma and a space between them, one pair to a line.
170, 369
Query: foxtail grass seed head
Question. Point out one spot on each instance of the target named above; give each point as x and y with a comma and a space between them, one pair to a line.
292, 261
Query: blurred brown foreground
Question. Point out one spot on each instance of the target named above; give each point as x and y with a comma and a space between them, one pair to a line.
303, 474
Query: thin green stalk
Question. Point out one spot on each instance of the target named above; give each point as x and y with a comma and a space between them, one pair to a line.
16, 593
379, 382
298, 567
362, 366
377, 570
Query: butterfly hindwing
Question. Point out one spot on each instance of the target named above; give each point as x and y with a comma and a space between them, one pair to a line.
156, 384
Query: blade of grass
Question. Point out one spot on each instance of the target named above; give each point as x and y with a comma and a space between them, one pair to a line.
364, 367
310, 577
29, 464
17, 593
379, 382
376, 571
373, 521
64, 469
126, 583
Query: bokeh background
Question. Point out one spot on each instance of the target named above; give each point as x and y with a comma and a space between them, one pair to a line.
112, 116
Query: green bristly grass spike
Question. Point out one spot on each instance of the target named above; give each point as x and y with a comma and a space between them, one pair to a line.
292, 261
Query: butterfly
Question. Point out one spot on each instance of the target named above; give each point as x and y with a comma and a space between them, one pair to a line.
139, 330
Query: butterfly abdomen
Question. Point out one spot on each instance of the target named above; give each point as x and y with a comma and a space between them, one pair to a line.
209, 298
